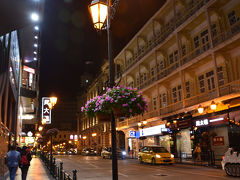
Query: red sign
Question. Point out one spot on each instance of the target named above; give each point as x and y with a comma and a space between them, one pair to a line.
218, 141
28, 69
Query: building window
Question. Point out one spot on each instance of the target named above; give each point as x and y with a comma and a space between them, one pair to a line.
232, 18
171, 61
174, 94
154, 103
184, 50
162, 65
152, 71
210, 80
163, 100
201, 83
214, 30
204, 37
176, 55
188, 92
220, 76
196, 41
177, 94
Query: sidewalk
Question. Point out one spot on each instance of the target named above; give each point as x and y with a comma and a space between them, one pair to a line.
37, 171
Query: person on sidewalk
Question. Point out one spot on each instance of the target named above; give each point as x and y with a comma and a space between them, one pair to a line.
25, 161
198, 151
12, 161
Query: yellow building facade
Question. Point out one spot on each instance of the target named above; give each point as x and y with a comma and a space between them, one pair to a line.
185, 57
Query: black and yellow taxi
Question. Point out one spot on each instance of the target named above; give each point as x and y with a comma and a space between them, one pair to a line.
155, 155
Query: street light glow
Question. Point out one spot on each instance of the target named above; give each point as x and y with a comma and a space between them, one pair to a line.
35, 45
36, 28
35, 17
98, 10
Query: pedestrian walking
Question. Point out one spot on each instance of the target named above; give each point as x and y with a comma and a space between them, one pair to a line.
12, 161
198, 151
25, 161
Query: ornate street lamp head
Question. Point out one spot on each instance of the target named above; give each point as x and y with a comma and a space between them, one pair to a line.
99, 11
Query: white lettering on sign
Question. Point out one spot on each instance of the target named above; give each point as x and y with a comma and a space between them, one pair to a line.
46, 111
217, 119
152, 130
203, 122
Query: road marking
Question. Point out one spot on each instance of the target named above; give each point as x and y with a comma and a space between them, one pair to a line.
93, 165
121, 174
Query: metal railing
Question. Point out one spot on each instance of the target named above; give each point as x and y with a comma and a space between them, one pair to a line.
181, 17
57, 171
226, 89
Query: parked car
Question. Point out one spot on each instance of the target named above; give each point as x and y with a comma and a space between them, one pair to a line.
71, 152
155, 155
89, 152
61, 152
107, 153
231, 163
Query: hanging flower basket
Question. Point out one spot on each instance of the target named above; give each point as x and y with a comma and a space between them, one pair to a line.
103, 117
123, 101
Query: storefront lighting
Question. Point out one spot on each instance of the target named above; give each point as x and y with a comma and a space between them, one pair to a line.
168, 124
34, 59
200, 109
35, 45
175, 121
84, 137
139, 124
50, 106
44, 121
64, 144
40, 128
94, 134
213, 106
195, 128
144, 122
35, 37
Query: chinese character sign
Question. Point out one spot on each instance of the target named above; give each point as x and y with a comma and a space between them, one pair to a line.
46, 111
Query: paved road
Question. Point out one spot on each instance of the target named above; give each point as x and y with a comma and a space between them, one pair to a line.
95, 168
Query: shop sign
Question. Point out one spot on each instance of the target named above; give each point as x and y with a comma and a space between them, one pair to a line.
46, 111
132, 134
218, 141
152, 130
203, 122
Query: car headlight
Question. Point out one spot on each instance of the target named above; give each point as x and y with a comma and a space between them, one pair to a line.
124, 153
158, 156
87, 151
172, 156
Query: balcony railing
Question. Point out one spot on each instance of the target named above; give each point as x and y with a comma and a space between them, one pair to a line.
227, 89
181, 17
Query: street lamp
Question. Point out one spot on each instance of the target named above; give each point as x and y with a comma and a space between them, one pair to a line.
53, 100
40, 128
100, 12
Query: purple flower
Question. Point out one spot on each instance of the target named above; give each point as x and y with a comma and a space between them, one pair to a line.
124, 105
130, 110
123, 96
82, 109
133, 99
119, 97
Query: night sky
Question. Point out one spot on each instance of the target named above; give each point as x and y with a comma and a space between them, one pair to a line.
69, 40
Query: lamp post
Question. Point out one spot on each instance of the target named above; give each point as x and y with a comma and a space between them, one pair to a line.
51, 104
141, 125
100, 12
